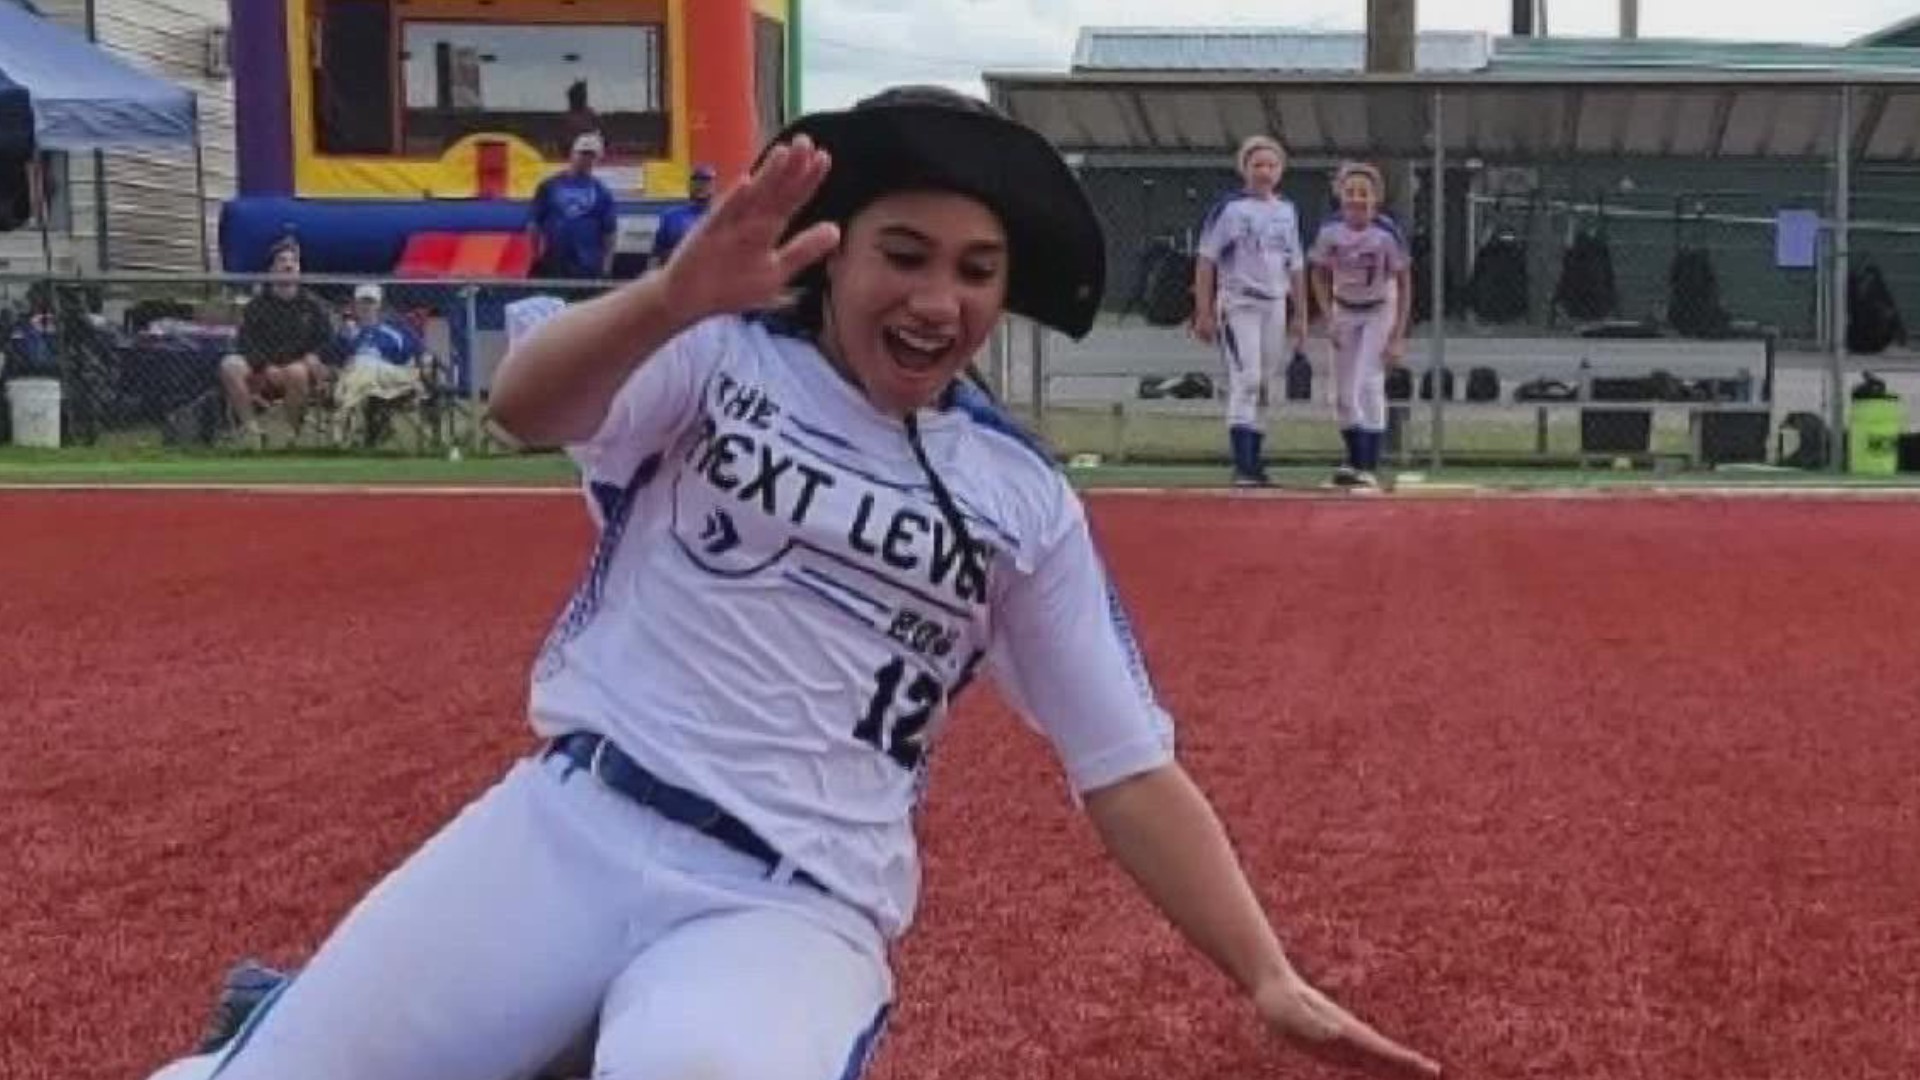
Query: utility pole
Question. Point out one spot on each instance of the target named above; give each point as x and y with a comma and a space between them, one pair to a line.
1522, 18
1629, 19
1391, 34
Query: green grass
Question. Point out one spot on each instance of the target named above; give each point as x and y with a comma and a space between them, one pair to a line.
1164, 432
135, 467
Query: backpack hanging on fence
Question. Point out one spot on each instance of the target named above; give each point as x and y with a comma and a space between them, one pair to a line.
1169, 287
1420, 254
1693, 294
1499, 287
1587, 289
1873, 319
1693, 288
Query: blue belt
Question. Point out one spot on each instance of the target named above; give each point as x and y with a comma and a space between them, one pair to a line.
611, 766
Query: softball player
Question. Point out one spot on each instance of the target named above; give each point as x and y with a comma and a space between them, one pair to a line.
1362, 280
812, 535
1249, 263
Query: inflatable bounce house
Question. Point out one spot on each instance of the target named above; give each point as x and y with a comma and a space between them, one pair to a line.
404, 138
363, 123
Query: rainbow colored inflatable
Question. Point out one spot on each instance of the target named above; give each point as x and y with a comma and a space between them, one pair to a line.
361, 123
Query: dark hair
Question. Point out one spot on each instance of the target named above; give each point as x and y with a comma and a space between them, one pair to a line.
805, 315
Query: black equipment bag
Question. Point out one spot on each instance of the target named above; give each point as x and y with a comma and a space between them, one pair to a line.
1399, 384
1169, 287
1483, 384
1587, 289
1299, 378
1499, 286
1873, 319
1693, 289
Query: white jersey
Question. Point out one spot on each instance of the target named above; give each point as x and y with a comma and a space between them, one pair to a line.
776, 609
1254, 244
1362, 262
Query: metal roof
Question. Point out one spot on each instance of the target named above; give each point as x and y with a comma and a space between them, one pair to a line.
1534, 100
1258, 49
1888, 35
1243, 48
1729, 57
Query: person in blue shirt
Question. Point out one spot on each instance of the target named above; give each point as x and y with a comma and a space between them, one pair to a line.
385, 360
573, 218
676, 223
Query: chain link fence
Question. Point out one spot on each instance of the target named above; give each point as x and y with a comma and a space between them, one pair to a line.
1589, 319
1677, 320
242, 363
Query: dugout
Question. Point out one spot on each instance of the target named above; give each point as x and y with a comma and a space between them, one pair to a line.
1715, 140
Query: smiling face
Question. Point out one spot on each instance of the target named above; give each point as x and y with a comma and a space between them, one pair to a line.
917, 284
1359, 198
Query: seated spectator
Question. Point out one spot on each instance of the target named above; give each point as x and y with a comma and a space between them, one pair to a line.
385, 360
283, 331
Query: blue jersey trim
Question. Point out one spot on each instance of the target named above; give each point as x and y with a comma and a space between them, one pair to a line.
989, 415
986, 413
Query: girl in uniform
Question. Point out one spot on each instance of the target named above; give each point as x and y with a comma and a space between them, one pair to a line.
1362, 279
1249, 265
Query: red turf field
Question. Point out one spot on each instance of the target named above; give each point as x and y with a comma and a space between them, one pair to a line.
1575, 788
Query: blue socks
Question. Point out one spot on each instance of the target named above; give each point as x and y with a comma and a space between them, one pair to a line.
1363, 448
1246, 449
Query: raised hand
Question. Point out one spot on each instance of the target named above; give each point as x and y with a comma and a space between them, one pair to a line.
733, 260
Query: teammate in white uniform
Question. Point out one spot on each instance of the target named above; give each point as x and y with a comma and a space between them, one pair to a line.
1362, 280
1249, 264
812, 535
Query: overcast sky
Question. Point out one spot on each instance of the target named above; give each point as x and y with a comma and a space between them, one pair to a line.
856, 46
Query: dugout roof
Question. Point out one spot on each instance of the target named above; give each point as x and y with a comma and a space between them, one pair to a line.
1182, 93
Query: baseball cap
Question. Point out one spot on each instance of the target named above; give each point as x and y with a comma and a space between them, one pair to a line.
590, 143
368, 292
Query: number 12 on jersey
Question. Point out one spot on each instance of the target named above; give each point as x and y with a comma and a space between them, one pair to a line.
895, 726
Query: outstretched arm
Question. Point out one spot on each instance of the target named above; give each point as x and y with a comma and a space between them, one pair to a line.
1067, 660
555, 386
1161, 829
